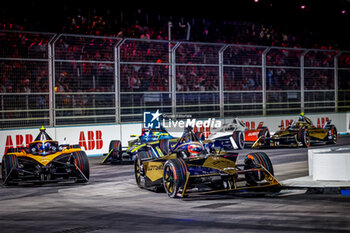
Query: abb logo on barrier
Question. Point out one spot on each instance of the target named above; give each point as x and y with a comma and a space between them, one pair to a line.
94, 140
322, 121
20, 140
90, 141
250, 125
285, 123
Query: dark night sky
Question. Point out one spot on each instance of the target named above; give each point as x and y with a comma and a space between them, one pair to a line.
321, 15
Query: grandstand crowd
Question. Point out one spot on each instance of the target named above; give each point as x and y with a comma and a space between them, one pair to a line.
28, 77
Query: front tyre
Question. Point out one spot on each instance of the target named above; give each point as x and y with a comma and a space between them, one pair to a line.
333, 134
238, 137
174, 176
116, 154
82, 169
303, 137
266, 133
253, 161
137, 170
9, 170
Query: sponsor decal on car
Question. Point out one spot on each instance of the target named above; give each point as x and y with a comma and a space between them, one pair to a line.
253, 134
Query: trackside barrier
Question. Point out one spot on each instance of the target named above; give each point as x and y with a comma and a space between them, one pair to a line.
330, 164
94, 139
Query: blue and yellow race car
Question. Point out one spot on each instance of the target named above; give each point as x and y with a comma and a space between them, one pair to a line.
150, 136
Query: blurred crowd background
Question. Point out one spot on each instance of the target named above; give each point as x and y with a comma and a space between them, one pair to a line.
256, 22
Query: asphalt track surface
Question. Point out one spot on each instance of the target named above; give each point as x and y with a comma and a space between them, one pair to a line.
111, 202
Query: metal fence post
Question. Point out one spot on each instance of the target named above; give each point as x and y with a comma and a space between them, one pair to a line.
52, 65
117, 80
263, 75
221, 81
302, 80
173, 78
336, 85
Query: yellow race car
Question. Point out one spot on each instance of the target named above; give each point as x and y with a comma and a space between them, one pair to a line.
44, 161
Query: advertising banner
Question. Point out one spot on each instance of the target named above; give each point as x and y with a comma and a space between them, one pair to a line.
95, 139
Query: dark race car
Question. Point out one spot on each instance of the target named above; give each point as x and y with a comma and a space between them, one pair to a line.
44, 161
301, 133
193, 168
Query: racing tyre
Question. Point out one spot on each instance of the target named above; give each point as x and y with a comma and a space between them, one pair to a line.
9, 170
82, 166
146, 152
174, 176
137, 170
200, 136
333, 133
238, 137
164, 146
116, 155
252, 161
303, 137
265, 132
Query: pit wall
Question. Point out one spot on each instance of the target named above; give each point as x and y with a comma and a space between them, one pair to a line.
95, 139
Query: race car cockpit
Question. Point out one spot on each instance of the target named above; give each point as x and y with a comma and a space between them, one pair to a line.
43, 144
303, 120
189, 146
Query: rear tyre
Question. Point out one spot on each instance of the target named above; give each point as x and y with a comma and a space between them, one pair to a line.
81, 163
9, 170
174, 176
238, 137
254, 160
116, 155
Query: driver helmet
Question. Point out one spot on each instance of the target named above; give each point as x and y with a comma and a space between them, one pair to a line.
301, 117
47, 146
194, 150
39, 147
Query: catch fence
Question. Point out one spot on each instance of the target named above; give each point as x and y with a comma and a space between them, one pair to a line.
64, 79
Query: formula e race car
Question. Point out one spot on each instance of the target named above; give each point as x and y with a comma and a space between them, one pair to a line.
301, 133
236, 135
193, 168
148, 136
44, 161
